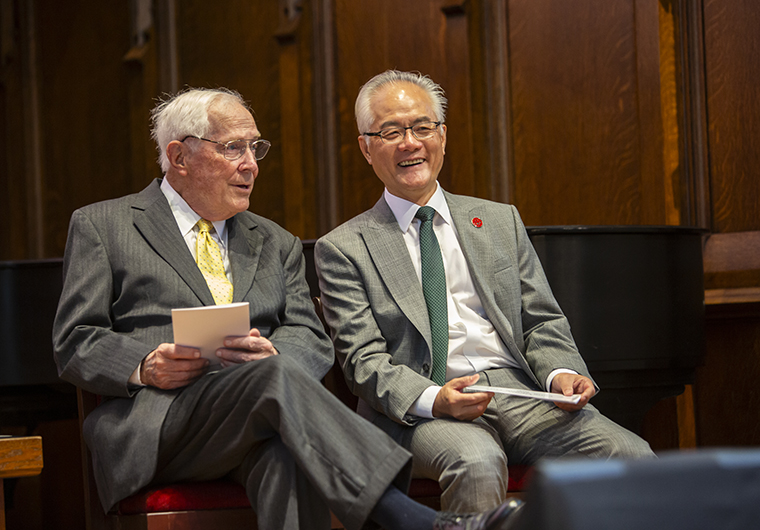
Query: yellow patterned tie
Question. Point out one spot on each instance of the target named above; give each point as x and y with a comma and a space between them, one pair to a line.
209, 259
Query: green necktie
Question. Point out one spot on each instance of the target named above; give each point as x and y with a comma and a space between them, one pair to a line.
209, 259
434, 289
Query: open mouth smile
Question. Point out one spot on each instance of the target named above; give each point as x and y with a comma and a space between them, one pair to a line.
413, 162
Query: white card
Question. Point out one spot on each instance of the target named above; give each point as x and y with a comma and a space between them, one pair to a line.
206, 327
519, 392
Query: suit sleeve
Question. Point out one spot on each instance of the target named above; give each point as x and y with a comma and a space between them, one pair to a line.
88, 352
388, 385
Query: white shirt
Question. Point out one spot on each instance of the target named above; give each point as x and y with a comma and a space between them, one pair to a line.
474, 344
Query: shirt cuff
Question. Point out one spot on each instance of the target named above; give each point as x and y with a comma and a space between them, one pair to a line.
134, 379
423, 407
553, 374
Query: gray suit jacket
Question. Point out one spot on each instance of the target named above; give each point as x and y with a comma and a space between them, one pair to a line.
374, 305
126, 266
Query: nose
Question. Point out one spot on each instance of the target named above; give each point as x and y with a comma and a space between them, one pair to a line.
409, 141
248, 160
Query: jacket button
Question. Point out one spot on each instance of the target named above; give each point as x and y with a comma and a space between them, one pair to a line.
426, 367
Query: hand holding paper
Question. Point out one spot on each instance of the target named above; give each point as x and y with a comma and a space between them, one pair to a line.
172, 366
520, 392
206, 327
239, 350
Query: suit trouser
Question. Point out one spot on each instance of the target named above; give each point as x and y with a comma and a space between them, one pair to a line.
469, 459
297, 449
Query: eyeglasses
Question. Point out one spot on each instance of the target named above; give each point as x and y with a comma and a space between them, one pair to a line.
235, 149
394, 135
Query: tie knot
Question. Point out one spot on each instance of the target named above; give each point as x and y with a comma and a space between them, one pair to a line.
204, 226
426, 213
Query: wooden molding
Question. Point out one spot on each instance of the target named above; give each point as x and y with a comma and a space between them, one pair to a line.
326, 136
490, 93
739, 295
695, 179
735, 251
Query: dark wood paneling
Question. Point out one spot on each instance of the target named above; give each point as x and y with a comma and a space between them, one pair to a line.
235, 47
67, 104
460, 146
84, 110
726, 393
13, 86
732, 53
577, 153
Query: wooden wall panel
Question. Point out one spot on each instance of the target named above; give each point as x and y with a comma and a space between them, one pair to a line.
585, 85
69, 145
731, 49
235, 47
14, 84
732, 53
727, 397
84, 110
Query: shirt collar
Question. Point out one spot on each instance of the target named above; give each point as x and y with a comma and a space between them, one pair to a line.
186, 216
404, 210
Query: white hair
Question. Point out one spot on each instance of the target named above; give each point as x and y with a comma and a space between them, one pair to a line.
186, 114
363, 110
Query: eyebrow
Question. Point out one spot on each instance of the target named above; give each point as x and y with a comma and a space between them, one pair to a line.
257, 137
392, 123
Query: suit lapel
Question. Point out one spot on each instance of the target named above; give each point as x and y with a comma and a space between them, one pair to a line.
475, 242
387, 249
244, 250
153, 218
478, 250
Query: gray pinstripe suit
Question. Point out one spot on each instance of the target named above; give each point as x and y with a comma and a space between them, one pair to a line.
375, 307
126, 266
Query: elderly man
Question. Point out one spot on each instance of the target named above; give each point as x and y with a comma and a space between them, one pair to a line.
262, 417
428, 293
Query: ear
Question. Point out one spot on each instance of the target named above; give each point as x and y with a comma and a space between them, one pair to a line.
443, 138
177, 155
365, 148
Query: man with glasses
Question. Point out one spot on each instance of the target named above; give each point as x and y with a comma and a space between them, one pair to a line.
260, 414
429, 293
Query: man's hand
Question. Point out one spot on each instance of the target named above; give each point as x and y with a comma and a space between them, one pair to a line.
452, 402
171, 366
240, 350
569, 384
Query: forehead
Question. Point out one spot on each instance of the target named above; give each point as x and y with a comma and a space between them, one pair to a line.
230, 118
399, 102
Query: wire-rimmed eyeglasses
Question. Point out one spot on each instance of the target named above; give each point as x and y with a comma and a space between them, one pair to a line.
235, 149
394, 135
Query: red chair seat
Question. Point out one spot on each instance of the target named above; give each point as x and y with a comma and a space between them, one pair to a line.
210, 495
223, 493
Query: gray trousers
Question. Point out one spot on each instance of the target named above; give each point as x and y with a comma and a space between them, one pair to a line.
469, 459
296, 448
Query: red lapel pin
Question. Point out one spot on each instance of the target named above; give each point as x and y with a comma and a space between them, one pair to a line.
477, 222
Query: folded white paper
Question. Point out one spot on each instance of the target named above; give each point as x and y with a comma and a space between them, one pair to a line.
519, 392
206, 327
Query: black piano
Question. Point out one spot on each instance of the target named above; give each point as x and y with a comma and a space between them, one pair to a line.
634, 297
